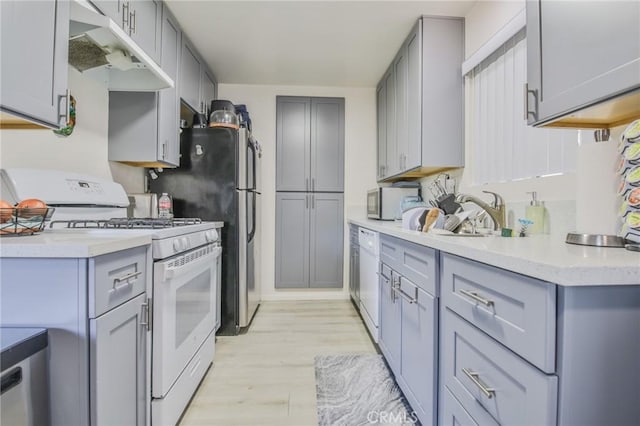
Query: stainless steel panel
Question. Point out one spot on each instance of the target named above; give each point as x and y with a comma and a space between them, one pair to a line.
242, 258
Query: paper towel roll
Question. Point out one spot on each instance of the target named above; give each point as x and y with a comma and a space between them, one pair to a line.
596, 182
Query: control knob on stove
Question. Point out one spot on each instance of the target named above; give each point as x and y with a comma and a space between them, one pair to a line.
177, 246
185, 243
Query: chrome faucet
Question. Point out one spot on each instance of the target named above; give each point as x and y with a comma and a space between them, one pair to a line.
496, 211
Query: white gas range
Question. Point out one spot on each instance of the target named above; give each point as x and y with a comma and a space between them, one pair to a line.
185, 291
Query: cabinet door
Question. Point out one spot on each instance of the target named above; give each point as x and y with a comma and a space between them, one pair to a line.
34, 39
112, 9
168, 143
145, 26
419, 349
292, 239
327, 144
293, 144
327, 241
390, 113
413, 155
381, 100
133, 126
390, 306
208, 87
579, 54
402, 121
189, 89
118, 365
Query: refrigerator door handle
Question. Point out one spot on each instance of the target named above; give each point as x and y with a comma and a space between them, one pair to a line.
252, 233
254, 158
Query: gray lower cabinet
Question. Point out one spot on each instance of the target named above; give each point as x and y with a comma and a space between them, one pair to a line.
144, 126
516, 350
421, 98
409, 322
117, 353
34, 38
309, 240
579, 55
310, 144
96, 311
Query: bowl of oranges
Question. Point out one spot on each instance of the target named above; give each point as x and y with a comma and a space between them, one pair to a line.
25, 218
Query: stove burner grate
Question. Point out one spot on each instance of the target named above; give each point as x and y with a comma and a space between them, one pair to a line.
127, 223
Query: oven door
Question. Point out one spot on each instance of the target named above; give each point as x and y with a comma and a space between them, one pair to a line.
184, 293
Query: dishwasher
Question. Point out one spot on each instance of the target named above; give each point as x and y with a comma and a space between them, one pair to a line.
369, 290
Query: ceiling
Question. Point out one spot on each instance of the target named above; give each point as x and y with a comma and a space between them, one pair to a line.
310, 43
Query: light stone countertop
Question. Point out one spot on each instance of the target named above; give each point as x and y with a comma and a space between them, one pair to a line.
545, 257
80, 243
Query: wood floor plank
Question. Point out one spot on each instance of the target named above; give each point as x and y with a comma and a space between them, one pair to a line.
267, 376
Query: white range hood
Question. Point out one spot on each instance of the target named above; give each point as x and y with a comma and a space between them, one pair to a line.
100, 48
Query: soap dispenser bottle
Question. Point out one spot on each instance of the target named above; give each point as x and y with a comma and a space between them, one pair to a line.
536, 213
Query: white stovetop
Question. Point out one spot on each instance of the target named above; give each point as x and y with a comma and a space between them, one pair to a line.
544, 257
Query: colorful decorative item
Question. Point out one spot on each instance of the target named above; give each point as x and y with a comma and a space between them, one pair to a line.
68, 129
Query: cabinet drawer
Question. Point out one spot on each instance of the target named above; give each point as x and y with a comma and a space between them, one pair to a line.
416, 262
454, 414
115, 278
485, 376
518, 311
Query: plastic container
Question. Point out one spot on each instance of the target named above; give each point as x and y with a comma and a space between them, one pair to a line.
165, 206
535, 212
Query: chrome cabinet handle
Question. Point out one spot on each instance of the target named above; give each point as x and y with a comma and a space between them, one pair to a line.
164, 150
313, 184
126, 278
527, 111
474, 377
132, 18
125, 14
306, 184
67, 106
145, 315
479, 299
405, 296
306, 201
313, 201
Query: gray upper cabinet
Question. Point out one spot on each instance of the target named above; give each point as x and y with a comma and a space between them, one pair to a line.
145, 26
34, 42
143, 126
198, 85
579, 55
309, 240
424, 105
310, 144
208, 88
327, 144
140, 19
381, 116
190, 75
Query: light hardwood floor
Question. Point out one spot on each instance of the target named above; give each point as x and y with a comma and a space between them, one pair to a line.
267, 376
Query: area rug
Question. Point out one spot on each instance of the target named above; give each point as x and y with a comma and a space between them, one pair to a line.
356, 390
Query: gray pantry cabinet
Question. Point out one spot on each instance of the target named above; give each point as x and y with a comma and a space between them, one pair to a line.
420, 98
409, 321
310, 144
309, 240
96, 311
140, 19
34, 38
143, 126
517, 350
198, 86
579, 55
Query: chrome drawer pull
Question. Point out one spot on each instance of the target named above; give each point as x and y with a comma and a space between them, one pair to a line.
405, 296
477, 298
488, 392
126, 278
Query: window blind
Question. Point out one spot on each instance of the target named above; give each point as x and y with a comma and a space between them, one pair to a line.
503, 147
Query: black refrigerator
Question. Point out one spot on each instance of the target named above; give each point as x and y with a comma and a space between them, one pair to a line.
216, 181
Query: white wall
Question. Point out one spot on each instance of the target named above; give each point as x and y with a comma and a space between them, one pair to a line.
360, 165
85, 151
